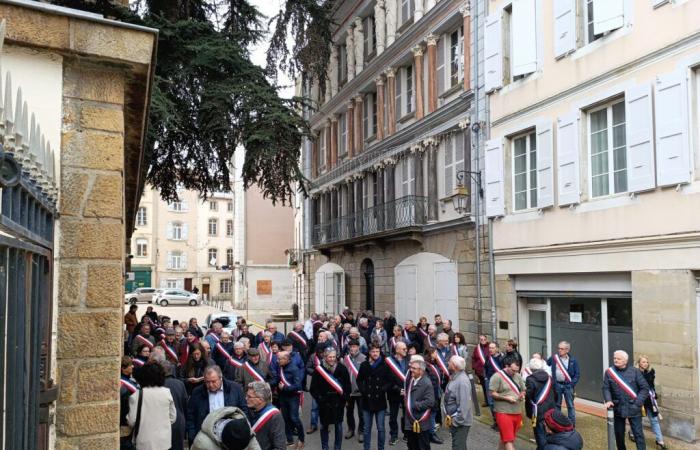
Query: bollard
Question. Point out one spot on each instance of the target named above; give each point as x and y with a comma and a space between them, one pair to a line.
475, 401
611, 430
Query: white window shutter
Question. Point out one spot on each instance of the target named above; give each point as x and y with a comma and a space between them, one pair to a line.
568, 159
169, 230
448, 146
564, 27
183, 261
184, 206
545, 172
673, 163
493, 174
493, 51
441, 63
169, 262
185, 229
399, 85
608, 15
640, 139
524, 51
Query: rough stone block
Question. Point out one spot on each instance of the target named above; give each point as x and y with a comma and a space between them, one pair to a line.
112, 42
91, 240
73, 188
67, 381
100, 442
97, 382
98, 118
69, 281
96, 85
105, 198
35, 28
63, 443
77, 334
92, 150
104, 286
88, 419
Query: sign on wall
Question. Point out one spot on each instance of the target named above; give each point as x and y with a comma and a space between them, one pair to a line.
264, 287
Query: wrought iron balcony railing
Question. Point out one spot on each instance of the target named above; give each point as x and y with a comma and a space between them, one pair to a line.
405, 212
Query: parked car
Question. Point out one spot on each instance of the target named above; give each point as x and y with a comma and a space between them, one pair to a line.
176, 297
228, 320
142, 294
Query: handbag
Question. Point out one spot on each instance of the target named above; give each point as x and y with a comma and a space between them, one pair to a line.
137, 425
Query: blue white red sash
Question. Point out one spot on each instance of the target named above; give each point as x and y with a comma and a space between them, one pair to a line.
332, 381
299, 338
423, 332
494, 363
480, 354
541, 397
267, 413
316, 360
442, 365
405, 335
216, 338
145, 341
409, 410
351, 366
562, 369
430, 342
453, 349
128, 385
435, 372
526, 371
396, 369
137, 362
392, 342
266, 350
511, 384
253, 371
283, 378
622, 383
169, 351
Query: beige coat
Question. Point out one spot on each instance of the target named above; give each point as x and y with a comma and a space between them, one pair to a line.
157, 414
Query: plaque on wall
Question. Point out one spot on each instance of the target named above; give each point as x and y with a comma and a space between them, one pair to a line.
264, 287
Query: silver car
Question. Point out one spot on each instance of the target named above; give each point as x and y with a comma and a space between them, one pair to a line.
176, 297
228, 321
143, 294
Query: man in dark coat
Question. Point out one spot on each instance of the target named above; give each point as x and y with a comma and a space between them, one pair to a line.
625, 390
288, 378
398, 366
560, 432
565, 373
266, 421
215, 393
330, 387
389, 323
179, 393
373, 381
419, 398
539, 398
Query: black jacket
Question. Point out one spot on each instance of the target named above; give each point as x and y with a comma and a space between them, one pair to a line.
625, 405
198, 406
534, 385
374, 383
568, 440
650, 377
389, 324
330, 402
179, 393
394, 393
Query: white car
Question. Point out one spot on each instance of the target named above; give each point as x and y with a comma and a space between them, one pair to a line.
142, 294
228, 320
176, 297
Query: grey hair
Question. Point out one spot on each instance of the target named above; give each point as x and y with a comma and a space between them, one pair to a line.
216, 369
442, 336
458, 362
267, 334
354, 330
239, 344
328, 335
537, 364
261, 389
244, 340
568, 345
329, 350
158, 355
623, 354
420, 362
432, 328
363, 320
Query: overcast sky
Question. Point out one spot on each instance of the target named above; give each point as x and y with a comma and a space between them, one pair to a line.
270, 8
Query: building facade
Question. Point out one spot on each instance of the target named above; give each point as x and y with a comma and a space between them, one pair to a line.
393, 130
592, 184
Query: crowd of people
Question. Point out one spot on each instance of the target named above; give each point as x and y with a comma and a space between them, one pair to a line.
239, 390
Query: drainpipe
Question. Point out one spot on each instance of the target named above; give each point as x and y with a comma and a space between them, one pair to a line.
492, 280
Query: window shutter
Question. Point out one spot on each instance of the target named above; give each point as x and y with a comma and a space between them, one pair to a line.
184, 206
564, 27
366, 108
399, 85
673, 163
169, 230
185, 228
568, 159
183, 261
441, 63
493, 53
449, 164
640, 139
608, 15
524, 19
405, 5
493, 168
404, 176
545, 173
169, 262
459, 152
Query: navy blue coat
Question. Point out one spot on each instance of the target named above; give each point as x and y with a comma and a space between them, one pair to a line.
573, 370
198, 406
624, 404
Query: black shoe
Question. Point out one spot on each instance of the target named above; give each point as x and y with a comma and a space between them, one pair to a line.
311, 430
393, 441
494, 426
361, 438
436, 440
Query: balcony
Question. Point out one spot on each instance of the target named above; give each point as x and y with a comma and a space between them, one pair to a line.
386, 219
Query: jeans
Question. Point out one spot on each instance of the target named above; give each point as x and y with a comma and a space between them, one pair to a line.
540, 435
489, 400
567, 392
381, 432
418, 441
459, 437
433, 422
290, 411
637, 431
350, 414
314, 413
656, 427
338, 437
393, 419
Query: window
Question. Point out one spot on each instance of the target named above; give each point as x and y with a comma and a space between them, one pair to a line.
141, 217
342, 135
342, 65
141, 247
608, 147
456, 57
590, 34
525, 171
408, 180
212, 254
177, 231
322, 149
225, 286
229, 206
176, 206
213, 227
171, 284
407, 79
454, 161
213, 206
176, 261
370, 44
229, 257
406, 11
229, 228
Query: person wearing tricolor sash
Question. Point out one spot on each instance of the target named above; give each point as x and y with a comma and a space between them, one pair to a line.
352, 361
222, 351
457, 403
143, 352
299, 341
491, 367
625, 390
398, 367
479, 356
566, 373
419, 400
214, 334
374, 380
330, 386
314, 360
539, 398
254, 368
144, 337
507, 390
267, 421
127, 386
430, 339
651, 406
379, 335
288, 379
438, 378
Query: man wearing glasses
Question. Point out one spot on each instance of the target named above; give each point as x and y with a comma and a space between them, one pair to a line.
267, 421
565, 373
419, 401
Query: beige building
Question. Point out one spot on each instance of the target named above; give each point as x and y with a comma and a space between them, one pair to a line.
592, 182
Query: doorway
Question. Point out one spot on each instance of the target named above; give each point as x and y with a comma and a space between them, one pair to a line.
367, 268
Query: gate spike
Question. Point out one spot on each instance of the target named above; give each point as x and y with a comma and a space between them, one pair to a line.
7, 110
18, 110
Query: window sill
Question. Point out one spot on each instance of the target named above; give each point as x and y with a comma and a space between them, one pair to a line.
407, 117
454, 89
608, 201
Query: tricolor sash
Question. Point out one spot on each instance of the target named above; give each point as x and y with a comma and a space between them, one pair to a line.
169, 351
435, 372
453, 349
253, 371
314, 322
622, 383
216, 338
511, 384
396, 369
299, 338
145, 341
562, 369
266, 351
392, 342
267, 413
316, 360
654, 404
423, 332
330, 379
541, 397
480, 354
442, 365
430, 342
405, 335
351, 366
137, 362
426, 414
128, 384
527, 371
494, 364
283, 378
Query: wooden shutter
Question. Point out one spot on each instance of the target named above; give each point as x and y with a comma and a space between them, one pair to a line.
608, 15
524, 37
493, 171
545, 173
441, 63
568, 159
672, 137
640, 139
493, 53
406, 289
564, 27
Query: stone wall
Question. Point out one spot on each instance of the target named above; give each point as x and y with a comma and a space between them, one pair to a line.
90, 258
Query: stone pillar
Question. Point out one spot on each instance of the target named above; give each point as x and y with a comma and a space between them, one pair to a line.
391, 8
380, 107
418, 77
350, 51
333, 66
329, 144
418, 11
466, 15
351, 206
432, 72
359, 132
350, 127
391, 104
381, 207
334, 141
380, 26
314, 155
429, 4
432, 183
359, 46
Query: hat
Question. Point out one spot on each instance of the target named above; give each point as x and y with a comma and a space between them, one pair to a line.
253, 352
236, 434
353, 342
557, 421
170, 332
